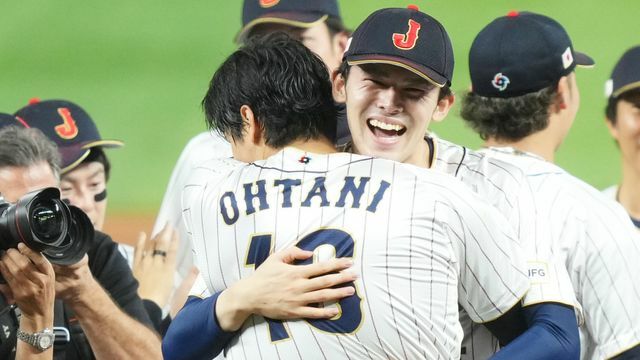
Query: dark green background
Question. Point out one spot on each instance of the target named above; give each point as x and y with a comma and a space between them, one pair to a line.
140, 68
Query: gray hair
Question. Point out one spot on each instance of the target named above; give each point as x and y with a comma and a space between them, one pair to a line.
24, 147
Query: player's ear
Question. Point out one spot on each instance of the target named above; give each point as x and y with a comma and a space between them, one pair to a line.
251, 125
563, 95
613, 130
340, 41
444, 105
339, 85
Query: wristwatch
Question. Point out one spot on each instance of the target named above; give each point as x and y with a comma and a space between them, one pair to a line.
41, 340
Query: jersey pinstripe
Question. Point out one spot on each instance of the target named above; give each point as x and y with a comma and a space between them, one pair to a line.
206, 145
601, 249
421, 242
506, 187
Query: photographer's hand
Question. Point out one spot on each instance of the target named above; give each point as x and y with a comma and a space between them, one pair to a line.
31, 279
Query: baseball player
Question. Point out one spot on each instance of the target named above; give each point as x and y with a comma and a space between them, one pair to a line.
502, 184
524, 100
318, 24
416, 260
623, 92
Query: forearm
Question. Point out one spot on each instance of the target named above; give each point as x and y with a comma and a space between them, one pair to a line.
112, 334
195, 332
552, 334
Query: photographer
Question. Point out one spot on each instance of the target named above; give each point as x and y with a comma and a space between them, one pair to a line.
100, 327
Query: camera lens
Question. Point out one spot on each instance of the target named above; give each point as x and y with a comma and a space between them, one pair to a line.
47, 220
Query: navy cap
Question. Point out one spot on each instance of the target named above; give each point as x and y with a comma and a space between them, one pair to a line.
626, 74
407, 38
297, 13
66, 124
8, 120
521, 53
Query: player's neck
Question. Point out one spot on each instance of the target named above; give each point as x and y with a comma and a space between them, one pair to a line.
321, 145
629, 191
539, 144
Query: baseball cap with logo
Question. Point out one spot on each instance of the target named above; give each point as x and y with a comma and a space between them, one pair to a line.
625, 75
297, 13
68, 125
521, 53
407, 38
8, 120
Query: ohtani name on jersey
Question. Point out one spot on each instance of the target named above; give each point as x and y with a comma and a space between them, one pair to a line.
256, 192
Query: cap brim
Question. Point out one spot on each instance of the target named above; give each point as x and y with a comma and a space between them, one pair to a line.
623, 89
583, 60
422, 71
72, 156
299, 20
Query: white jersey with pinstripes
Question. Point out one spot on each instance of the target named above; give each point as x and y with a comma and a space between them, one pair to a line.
506, 187
421, 242
601, 249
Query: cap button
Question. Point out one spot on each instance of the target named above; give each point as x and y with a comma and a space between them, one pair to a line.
34, 100
413, 7
513, 13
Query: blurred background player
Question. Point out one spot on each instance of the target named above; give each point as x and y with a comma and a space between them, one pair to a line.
97, 298
523, 102
623, 120
84, 175
318, 188
318, 25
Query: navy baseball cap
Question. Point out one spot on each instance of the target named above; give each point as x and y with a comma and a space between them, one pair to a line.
8, 120
297, 13
407, 38
521, 53
68, 125
625, 75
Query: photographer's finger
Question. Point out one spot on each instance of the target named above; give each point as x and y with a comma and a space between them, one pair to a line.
162, 240
24, 267
41, 263
6, 273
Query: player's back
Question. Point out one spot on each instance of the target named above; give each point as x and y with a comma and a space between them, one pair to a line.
601, 248
408, 230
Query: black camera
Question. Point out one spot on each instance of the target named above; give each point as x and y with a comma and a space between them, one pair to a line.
46, 224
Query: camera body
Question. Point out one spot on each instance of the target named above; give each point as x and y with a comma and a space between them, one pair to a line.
46, 224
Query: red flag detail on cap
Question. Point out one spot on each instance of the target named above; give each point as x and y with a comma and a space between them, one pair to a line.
34, 100
413, 7
513, 13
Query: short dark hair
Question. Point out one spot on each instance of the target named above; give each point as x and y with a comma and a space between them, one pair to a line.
25, 147
286, 86
96, 154
509, 119
345, 68
334, 24
611, 111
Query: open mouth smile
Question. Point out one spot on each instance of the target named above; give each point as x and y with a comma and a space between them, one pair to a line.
385, 130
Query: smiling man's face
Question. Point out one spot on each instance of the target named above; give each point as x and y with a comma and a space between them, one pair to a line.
389, 109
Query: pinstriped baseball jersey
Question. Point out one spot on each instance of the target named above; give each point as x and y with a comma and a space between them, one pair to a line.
601, 249
506, 187
421, 243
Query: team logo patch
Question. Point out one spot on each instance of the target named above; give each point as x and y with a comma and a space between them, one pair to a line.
304, 160
407, 40
500, 82
68, 129
268, 3
567, 58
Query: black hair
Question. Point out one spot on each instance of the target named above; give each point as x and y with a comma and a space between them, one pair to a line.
334, 24
96, 154
611, 111
345, 68
509, 119
286, 86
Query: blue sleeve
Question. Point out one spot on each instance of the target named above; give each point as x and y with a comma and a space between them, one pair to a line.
552, 334
195, 332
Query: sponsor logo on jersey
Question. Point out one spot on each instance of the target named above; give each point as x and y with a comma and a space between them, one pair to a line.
538, 272
500, 81
407, 40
